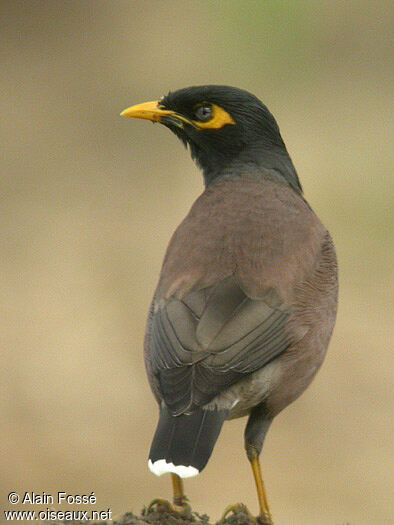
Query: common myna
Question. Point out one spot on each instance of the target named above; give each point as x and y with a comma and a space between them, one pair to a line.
247, 296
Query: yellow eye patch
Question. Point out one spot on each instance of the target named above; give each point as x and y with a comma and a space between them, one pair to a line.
220, 118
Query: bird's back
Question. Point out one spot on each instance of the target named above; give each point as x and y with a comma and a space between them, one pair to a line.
250, 226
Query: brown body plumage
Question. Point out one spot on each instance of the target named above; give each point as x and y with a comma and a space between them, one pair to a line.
265, 237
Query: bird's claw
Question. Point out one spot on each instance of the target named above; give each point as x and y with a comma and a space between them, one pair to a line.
238, 508
184, 509
265, 519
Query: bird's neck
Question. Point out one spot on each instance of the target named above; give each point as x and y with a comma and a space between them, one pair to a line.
259, 158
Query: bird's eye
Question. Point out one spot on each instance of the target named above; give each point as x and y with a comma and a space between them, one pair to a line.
203, 112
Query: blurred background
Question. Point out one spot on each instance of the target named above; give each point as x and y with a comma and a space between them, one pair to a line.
88, 204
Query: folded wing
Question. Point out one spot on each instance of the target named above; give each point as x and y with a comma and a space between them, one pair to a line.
211, 339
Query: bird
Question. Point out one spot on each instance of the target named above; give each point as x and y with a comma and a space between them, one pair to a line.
246, 300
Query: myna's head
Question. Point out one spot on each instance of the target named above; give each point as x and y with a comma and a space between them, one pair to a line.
218, 123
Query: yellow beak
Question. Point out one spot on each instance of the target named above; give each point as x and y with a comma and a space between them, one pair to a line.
149, 111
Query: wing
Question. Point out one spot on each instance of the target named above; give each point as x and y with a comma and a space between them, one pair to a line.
210, 339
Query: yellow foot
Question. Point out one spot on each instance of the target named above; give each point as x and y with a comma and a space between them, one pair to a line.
238, 510
241, 514
265, 519
159, 504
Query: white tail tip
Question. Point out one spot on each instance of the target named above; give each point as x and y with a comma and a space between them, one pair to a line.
161, 466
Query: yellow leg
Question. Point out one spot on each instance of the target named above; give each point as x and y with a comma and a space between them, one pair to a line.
177, 487
264, 517
180, 505
265, 514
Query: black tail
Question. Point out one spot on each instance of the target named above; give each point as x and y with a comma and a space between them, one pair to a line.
185, 441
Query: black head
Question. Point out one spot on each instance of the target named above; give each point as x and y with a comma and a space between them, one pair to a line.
221, 124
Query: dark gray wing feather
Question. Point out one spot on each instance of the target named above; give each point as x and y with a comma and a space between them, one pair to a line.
212, 338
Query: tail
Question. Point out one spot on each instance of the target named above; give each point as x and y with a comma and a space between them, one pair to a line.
183, 444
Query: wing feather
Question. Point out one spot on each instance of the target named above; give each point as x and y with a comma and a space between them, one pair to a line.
202, 344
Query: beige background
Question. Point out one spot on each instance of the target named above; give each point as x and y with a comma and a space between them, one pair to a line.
89, 201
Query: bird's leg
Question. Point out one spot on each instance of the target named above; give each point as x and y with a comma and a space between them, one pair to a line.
256, 429
180, 503
265, 514
264, 517
179, 498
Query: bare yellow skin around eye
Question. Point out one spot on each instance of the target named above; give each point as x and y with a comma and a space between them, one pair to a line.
219, 119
